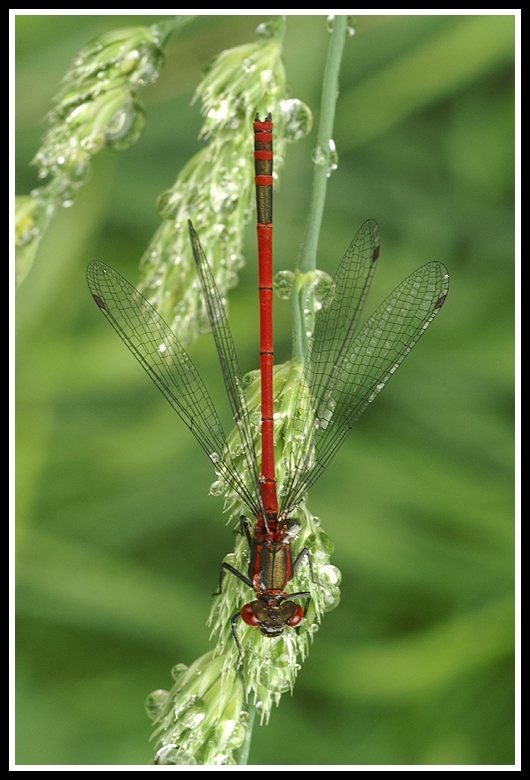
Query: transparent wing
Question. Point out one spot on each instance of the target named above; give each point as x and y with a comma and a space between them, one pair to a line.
334, 331
226, 351
342, 389
160, 353
338, 319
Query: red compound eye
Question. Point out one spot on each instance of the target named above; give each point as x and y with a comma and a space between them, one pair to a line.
249, 617
297, 617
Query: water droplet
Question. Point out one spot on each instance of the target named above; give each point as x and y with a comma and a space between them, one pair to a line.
333, 157
168, 203
191, 713
330, 578
327, 157
134, 55
249, 66
223, 197
77, 111
155, 703
147, 74
220, 112
172, 754
326, 544
81, 173
125, 128
350, 24
265, 30
178, 670
331, 574
218, 488
322, 283
90, 145
298, 119
318, 156
230, 735
283, 284
27, 236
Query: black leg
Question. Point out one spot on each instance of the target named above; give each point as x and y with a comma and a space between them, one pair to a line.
304, 554
246, 528
235, 620
304, 594
235, 572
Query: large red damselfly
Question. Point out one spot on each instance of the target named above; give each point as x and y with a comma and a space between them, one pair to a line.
343, 371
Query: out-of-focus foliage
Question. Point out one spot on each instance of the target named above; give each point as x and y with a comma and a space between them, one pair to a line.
118, 542
96, 107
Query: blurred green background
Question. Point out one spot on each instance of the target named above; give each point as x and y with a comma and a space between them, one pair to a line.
119, 543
